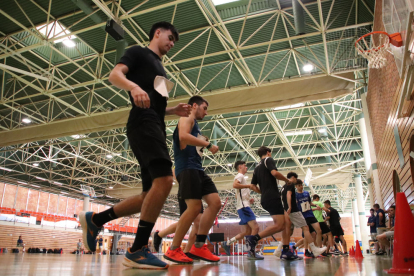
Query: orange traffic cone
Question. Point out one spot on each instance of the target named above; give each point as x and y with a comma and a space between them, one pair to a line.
352, 252
358, 252
403, 259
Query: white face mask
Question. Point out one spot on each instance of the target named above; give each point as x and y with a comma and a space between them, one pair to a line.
163, 86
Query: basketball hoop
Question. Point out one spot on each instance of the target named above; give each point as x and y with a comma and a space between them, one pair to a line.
376, 53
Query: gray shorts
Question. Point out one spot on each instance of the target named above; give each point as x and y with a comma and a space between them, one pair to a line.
389, 234
297, 219
381, 230
374, 236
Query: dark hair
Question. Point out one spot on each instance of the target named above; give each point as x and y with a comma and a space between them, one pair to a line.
165, 26
289, 175
328, 202
236, 165
263, 151
198, 100
372, 210
299, 182
393, 207
376, 205
315, 196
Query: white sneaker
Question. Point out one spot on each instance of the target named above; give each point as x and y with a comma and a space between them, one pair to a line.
278, 251
317, 251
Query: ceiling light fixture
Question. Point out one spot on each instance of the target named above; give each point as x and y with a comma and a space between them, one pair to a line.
221, 2
35, 186
109, 156
110, 187
36, 164
6, 169
295, 133
24, 183
308, 67
57, 183
26, 120
69, 43
329, 169
40, 178
229, 164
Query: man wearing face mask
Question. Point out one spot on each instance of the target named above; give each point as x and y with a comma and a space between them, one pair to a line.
141, 73
194, 185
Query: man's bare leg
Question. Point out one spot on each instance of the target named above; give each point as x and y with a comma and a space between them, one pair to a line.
186, 219
193, 234
150, 210
167, 231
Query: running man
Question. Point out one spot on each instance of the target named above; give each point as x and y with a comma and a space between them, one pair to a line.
136, 72
334, 222
304, 205
194, 185
267, 176
326, 232
247, 217
295, 217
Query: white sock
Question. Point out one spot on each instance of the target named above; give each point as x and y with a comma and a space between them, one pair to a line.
232, 240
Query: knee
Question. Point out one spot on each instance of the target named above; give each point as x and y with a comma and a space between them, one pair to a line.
215, 205
305, 229
318, 231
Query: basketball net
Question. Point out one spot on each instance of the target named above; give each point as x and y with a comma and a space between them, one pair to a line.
380, 44
375, 54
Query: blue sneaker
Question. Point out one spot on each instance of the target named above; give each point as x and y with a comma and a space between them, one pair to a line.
143, 259
287, 255
89, 230
226, 248
254, 257
251, 243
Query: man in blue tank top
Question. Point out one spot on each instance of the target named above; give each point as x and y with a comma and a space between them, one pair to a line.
304, 205
194, 185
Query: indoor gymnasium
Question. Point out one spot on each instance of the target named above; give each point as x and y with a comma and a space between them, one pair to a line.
206, 137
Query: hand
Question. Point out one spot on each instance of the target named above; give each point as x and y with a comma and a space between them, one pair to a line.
251, 200
288, 211
252, 187
140, 97
182, 110
318, 208
213, 149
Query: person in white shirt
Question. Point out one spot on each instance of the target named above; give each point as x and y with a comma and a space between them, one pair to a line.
247, 217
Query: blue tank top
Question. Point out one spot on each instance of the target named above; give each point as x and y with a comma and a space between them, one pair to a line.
304, 201
187, 158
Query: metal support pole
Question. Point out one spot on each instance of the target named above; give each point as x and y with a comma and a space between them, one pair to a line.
373, 167
355, 220
361, 212
86, 203
367, 155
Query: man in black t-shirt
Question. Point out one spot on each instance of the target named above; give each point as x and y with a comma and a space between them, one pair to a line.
266, 175
140, 71
335, 225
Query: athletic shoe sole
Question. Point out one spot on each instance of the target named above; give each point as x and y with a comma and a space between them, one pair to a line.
84, 225
128, 263
175, 261
195, 257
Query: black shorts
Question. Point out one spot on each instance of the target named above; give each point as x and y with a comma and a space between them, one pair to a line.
147, 141
194, 184
324, 227
183, 206
274, 207
309, 222
337, 231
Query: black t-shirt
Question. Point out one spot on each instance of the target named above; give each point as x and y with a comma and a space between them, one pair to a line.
267, 182
293, 204
333, 217
143, 66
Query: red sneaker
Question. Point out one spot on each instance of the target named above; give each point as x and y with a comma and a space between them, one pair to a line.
177, 256
203, 253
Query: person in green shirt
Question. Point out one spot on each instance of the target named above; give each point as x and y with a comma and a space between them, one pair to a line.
317, 212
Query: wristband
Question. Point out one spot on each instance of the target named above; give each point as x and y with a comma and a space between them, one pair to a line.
209, 146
